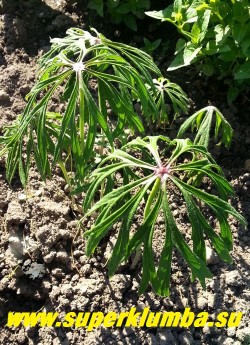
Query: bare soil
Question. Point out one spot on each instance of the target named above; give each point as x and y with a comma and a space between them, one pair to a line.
38, 226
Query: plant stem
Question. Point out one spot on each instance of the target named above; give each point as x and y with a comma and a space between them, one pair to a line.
64, 171
81, 112
151, 197
136, 258
67, 179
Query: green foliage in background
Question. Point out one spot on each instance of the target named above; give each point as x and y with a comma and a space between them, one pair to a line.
216, 37
121, 11
150, 46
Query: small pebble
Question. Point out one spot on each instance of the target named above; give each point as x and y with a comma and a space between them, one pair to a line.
22, 197
75, 278
206, 329
24, 90
4, 97
231, 331
67, 290
77, 253
184, 302
234, 278
49, 257
57, 272
67, 188
201, 303
245, 177
38, 193
175, 213
167, 303
62, 256
211, 257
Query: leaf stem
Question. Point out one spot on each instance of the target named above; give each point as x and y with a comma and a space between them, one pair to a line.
64, 171
67, 179
81, 112
151, 197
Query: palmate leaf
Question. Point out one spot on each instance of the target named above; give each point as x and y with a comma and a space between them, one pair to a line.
123, 203
122, 73
168, 92
202, 120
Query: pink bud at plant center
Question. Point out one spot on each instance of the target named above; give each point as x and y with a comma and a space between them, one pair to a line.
162, 172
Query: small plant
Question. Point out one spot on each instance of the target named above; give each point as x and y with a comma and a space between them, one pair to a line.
216, 38
150, 46
169, 93
152, 180
125, 11
202, 121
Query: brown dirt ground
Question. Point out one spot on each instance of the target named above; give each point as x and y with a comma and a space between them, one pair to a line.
40, 227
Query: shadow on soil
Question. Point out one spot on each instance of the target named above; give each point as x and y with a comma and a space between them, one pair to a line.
30, 24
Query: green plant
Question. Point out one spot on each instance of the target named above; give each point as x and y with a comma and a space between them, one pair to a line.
87, 74
202, 121
147, 182
150, 46
216, 38
126, 11
120, 74
169, 93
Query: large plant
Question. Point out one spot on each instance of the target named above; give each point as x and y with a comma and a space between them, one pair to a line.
122, 76
215, 38
148, 181
87, 74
